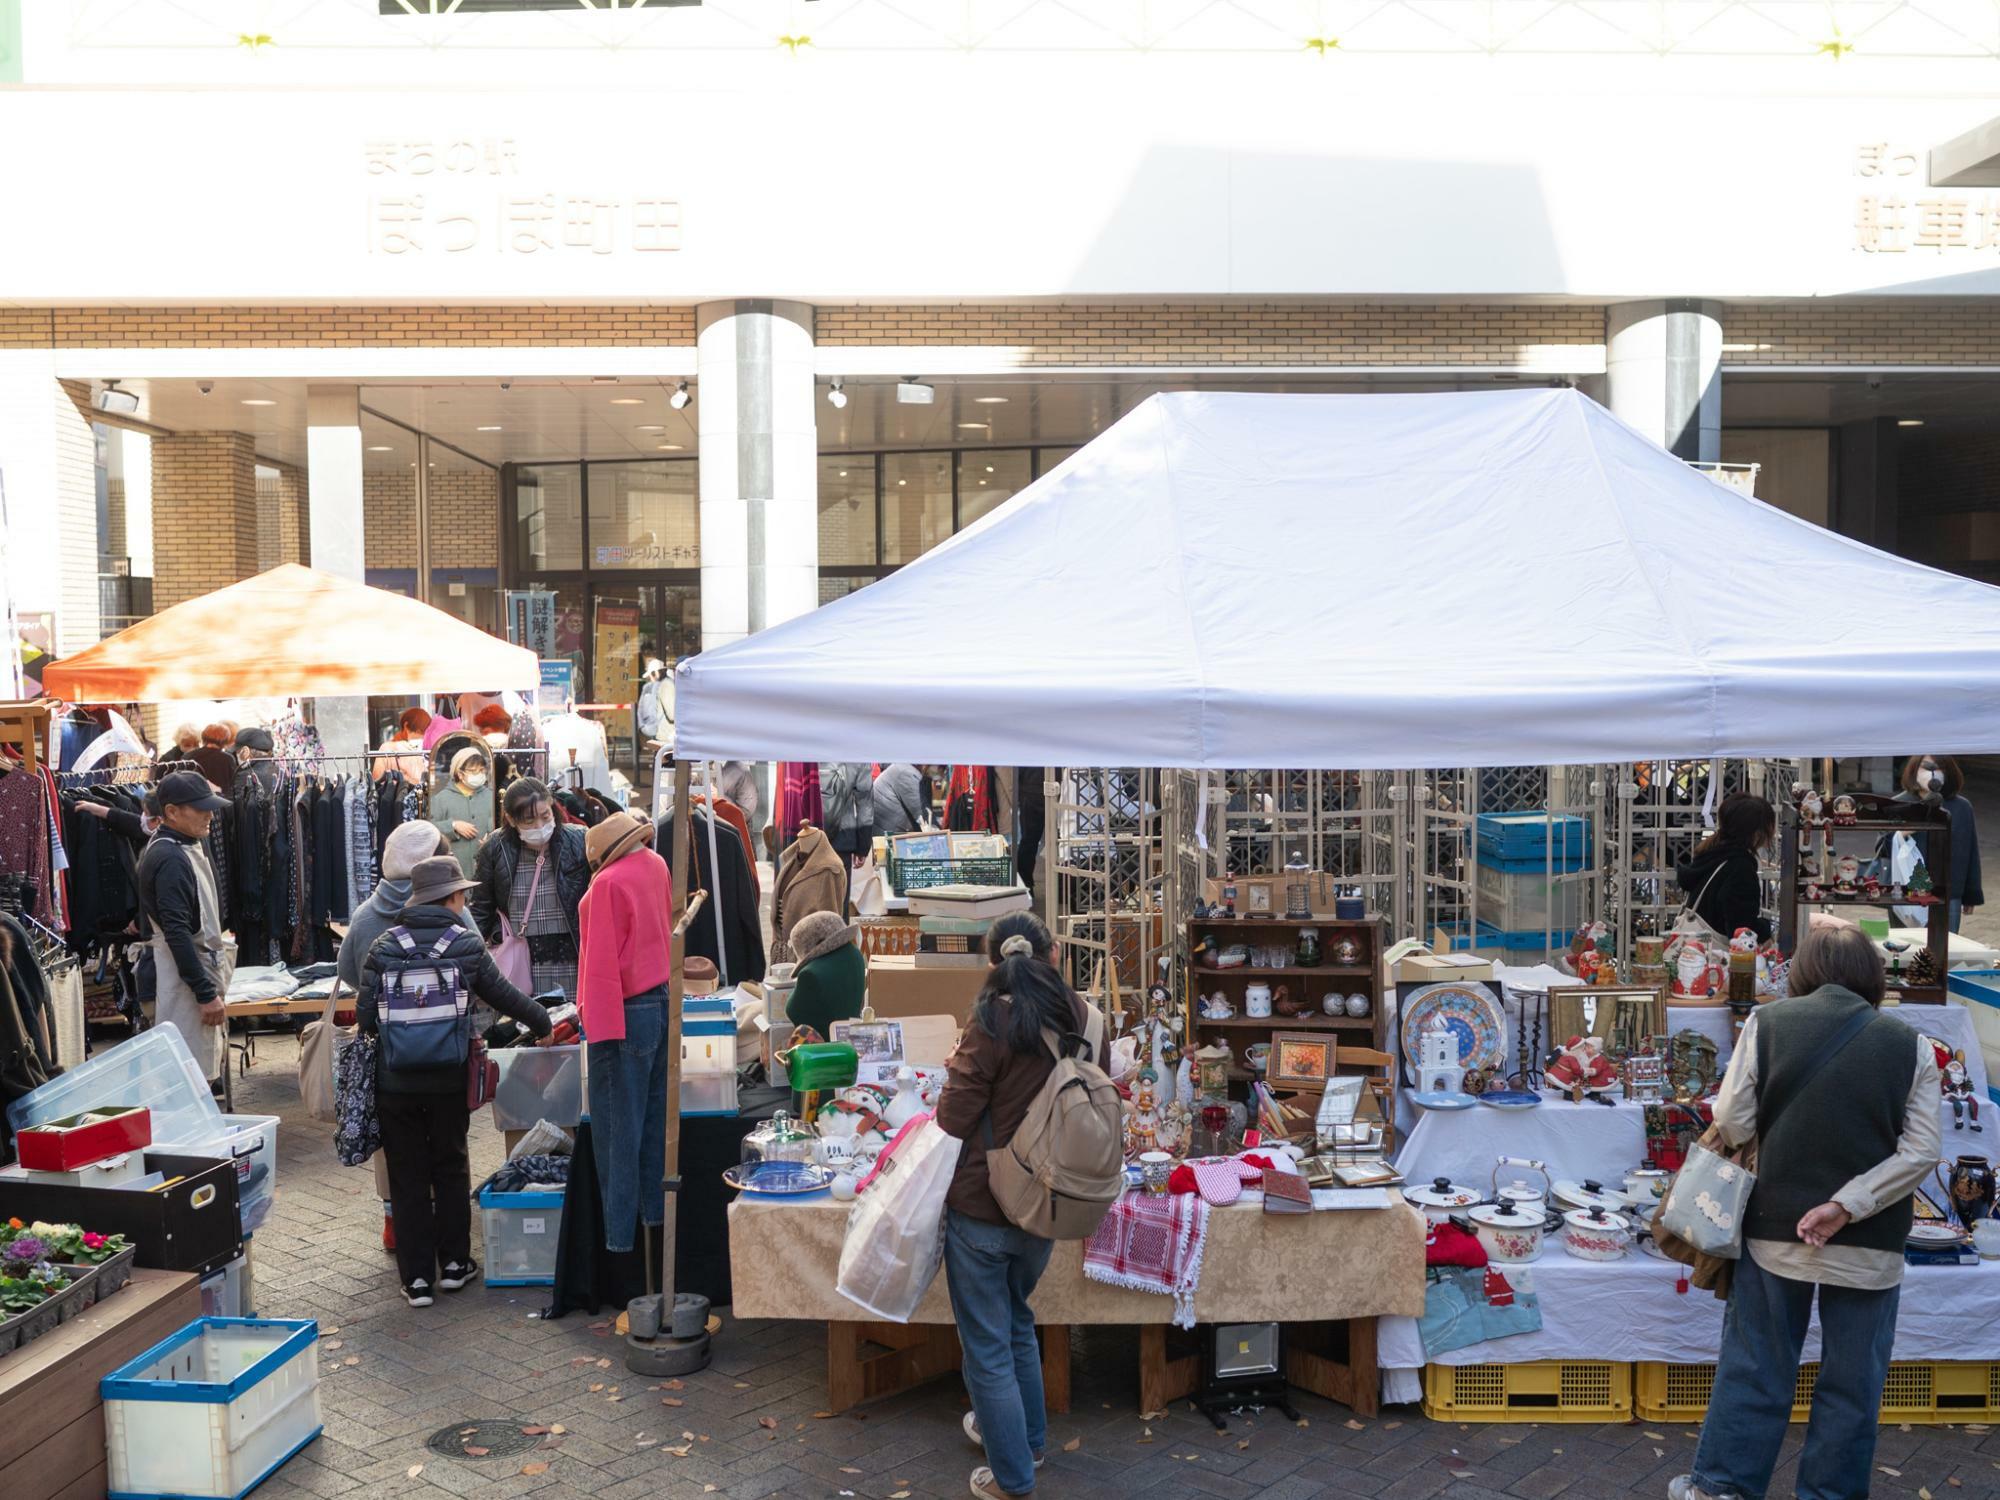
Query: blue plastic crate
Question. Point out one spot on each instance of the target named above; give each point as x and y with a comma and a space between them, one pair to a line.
1527, 836
1567, 864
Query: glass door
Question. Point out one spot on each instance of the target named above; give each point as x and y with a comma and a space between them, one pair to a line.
633, 623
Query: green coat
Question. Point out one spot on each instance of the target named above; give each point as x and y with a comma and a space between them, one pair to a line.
832, 987
450, 805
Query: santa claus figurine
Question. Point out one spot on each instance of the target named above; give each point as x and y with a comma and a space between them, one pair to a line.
1582, 1065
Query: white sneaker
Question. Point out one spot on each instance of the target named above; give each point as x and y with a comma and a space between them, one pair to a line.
1683, 1487
971, 1426
986, 1487
418, 1293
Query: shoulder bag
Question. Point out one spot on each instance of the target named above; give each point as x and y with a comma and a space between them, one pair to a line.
510, 954
1691, 924
318, 1042
1704, 1204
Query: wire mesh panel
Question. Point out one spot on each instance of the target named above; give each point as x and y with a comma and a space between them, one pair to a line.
1443, 809
1107, 872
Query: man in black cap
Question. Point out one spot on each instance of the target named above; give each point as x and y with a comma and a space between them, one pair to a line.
254, 747
191, 958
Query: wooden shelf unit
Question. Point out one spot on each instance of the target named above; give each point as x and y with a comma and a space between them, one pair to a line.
1882, 817
1240, 1031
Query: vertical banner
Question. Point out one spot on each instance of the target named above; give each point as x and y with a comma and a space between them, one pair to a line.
558, 686
615, 676
531, 620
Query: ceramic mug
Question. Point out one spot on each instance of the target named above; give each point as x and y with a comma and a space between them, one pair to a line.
1257, 1056
1257, 1001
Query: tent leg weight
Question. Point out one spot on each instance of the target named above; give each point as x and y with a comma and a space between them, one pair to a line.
690, 1315
666, 1356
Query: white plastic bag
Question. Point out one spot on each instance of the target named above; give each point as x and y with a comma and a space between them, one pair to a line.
895, 1231
866, 894
1904, 857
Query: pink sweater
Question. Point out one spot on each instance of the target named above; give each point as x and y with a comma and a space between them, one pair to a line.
626, 943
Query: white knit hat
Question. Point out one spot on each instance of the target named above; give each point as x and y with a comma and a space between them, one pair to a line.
406, 845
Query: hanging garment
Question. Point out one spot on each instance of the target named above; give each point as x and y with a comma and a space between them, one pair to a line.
743, 934
799, 799
24, 839
731, 814
969, 802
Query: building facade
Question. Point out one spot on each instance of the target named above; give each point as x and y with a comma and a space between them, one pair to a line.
699, 317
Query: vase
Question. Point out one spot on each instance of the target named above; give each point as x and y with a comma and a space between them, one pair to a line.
1971, 1188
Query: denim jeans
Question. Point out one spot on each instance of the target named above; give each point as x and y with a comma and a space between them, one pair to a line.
1756, 1376
628, 1120
991, 1270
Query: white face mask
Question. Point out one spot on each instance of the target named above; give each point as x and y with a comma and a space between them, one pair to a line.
474, 780
1930, 778
537, 834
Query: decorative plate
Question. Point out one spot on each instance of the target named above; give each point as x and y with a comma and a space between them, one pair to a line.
779, 1179
1438, 1099
1936, 1234
1511, 1098
1472, 1014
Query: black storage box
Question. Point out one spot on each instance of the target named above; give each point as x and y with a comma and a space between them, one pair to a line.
192, 1225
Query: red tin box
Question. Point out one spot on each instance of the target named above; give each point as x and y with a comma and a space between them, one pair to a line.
65, 1145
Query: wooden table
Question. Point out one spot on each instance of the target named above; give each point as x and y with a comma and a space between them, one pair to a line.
1327, 1276
51, 1418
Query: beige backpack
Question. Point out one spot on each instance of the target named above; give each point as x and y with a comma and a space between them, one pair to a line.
1065, 1166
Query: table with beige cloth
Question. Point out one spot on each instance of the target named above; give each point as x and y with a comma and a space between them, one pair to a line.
1329, 1274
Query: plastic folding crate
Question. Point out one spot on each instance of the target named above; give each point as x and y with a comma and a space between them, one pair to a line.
521, 1231
906, 875
1548, 1390
1918, 1391
1529, 836
1979, 991
213, 1411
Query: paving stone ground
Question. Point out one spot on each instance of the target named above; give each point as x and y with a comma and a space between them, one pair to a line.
391, 1376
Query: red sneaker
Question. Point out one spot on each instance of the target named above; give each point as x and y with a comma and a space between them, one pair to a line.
388, 1232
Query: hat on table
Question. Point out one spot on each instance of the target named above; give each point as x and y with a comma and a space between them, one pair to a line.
819, 933
188, 789
436, 878
407, 846
615, 837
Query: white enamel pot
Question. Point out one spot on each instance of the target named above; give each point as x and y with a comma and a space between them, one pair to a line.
1591, 1234
1511, 1237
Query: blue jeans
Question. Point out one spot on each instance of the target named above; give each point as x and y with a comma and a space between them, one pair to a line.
991, 1270
628, 1120
1762, 1334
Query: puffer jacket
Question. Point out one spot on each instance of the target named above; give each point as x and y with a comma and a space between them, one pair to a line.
481, 976
500, 856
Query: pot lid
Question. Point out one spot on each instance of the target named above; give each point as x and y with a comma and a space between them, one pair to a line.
1649, 1173
1521, 1192
1588, 1193
1595, 1220
1505, 1216
1442, 1193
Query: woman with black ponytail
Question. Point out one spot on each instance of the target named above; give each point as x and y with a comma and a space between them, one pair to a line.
991, 1266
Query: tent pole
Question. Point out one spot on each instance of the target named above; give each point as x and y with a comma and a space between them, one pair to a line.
722, 974
677, 947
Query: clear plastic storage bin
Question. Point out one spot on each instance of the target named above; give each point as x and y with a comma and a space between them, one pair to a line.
521, 1232
538, 1083
153, 1068
214, 1410
708, 1067
1529, 900
251, 1141
225, 1293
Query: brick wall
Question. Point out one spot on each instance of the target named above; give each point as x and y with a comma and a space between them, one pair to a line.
465, 518
284, 521
299, 327
1904, 332
205, 533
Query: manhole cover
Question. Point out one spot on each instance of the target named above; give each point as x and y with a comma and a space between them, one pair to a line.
499, 1437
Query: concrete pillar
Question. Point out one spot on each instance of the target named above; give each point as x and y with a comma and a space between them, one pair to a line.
204, 514
48, 476
334, 532
1663, 373
759, 466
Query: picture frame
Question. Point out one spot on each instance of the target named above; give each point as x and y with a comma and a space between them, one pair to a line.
1259, 896
1597, 1010
1301, 1059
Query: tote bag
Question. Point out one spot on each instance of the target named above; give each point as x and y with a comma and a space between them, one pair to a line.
317, 1044
894, 1242
510, 954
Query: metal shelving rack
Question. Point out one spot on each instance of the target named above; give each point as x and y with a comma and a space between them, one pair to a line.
1107, 873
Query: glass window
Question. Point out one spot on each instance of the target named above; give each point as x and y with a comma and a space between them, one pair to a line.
1047, 458
846, 509
916, 504
834, 586
644, 515
986, 477
569, 627
548, 517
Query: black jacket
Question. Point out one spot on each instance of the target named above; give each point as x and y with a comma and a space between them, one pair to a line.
170, 898
500, 856
743, 932
486, 982
1734, 899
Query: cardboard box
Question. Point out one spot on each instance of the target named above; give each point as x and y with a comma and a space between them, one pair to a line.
1441, 968
901, 985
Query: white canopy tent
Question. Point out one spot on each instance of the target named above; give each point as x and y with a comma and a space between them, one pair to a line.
1230, 580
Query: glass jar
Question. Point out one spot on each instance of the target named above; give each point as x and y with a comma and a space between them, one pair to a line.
1309, 950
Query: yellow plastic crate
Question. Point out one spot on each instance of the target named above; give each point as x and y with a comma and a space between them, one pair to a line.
1917, 1391
1549, 1390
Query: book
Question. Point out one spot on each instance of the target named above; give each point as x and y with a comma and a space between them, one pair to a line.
1358, 1174
969, 900
1324, 1198
1286, 1193
935, 926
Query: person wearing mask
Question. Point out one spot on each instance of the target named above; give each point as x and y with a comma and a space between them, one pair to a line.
407, 846
1721, 879
406, 740
1936, 781
215, 757
254, 747
832, 974
847, 790
1843, 1105
462, 809
991, 1266
534, 872
621, 991
653, 714
177, 897
902, 799
422, 1110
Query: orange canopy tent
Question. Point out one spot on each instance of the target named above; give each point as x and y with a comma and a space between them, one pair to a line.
292, 632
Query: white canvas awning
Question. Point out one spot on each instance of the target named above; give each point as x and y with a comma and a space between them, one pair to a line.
1366, 581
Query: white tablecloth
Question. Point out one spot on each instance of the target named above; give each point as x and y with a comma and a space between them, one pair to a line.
1576, 1140
1628, 1310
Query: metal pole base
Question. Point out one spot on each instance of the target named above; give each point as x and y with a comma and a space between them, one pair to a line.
666, 1356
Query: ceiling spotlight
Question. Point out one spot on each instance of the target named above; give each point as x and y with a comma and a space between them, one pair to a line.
667, 447
989, 400
257, 401
113, 399
836, 398
680, 398
913, 392
1909, 421
976, 426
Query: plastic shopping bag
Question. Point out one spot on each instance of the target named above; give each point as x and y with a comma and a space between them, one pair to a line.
895, 1231
1904, 857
